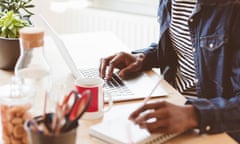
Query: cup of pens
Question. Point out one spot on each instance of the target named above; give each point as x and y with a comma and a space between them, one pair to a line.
59, 127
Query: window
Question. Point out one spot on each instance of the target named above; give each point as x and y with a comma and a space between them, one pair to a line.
62, 5
143, 7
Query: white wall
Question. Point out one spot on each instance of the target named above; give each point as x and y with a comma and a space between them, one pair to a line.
136, 31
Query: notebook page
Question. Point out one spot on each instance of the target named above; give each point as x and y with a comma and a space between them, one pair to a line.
117, 129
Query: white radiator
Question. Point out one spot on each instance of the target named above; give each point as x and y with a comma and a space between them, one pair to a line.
135, 31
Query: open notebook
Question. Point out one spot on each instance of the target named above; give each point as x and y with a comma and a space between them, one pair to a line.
115, 128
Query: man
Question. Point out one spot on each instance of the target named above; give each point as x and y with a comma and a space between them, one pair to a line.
199, 42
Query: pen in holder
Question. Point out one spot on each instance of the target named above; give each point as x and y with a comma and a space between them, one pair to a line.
59, 127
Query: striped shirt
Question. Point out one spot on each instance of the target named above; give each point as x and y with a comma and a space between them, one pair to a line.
181, 41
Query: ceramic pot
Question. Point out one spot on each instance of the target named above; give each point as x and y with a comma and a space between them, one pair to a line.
9, 53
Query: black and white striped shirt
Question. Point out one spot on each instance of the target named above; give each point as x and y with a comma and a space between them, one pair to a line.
181, 41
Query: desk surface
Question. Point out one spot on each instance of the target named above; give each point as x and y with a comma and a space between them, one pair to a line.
62, 74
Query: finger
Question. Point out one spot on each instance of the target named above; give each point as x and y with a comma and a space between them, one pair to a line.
158, 115
103, 65
115, 62
145, 107
136, 113
160, 126
112, 65
154, 125
102, 68
163, 130
152, 116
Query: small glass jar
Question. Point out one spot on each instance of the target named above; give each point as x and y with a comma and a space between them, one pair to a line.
16, 104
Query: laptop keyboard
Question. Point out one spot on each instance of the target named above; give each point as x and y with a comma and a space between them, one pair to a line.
115, 85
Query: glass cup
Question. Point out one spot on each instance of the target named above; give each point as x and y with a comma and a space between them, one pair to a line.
16, 104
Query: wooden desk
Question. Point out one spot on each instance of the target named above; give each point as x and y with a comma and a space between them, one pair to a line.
61, 74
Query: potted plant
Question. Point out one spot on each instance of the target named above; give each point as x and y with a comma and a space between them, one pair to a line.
14, 15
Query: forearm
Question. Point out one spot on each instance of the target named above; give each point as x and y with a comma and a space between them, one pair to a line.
193, 120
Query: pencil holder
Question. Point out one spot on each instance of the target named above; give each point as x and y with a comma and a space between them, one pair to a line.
40, 136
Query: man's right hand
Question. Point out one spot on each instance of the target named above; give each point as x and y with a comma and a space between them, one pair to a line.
128, 64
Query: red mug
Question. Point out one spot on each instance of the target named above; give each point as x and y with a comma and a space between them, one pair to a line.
95, 85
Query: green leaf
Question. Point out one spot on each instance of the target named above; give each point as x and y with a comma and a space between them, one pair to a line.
10, 24
17, 6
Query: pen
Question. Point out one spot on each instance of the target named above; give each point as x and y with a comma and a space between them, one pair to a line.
45, 106
129, 133
43, 128
33, 125
154, 88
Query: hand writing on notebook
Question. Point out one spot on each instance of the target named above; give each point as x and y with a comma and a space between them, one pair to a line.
164, 117
128, 64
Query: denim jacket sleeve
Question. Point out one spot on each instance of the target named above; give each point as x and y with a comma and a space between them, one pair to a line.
220, 114
151, 56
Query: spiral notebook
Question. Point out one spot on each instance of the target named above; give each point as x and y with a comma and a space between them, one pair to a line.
115, 128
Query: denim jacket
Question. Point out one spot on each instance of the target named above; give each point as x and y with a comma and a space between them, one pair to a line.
214, 29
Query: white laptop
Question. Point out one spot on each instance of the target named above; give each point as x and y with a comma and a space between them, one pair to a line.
83, 52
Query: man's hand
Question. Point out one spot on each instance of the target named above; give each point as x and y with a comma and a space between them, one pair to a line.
128, 64
164, 117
